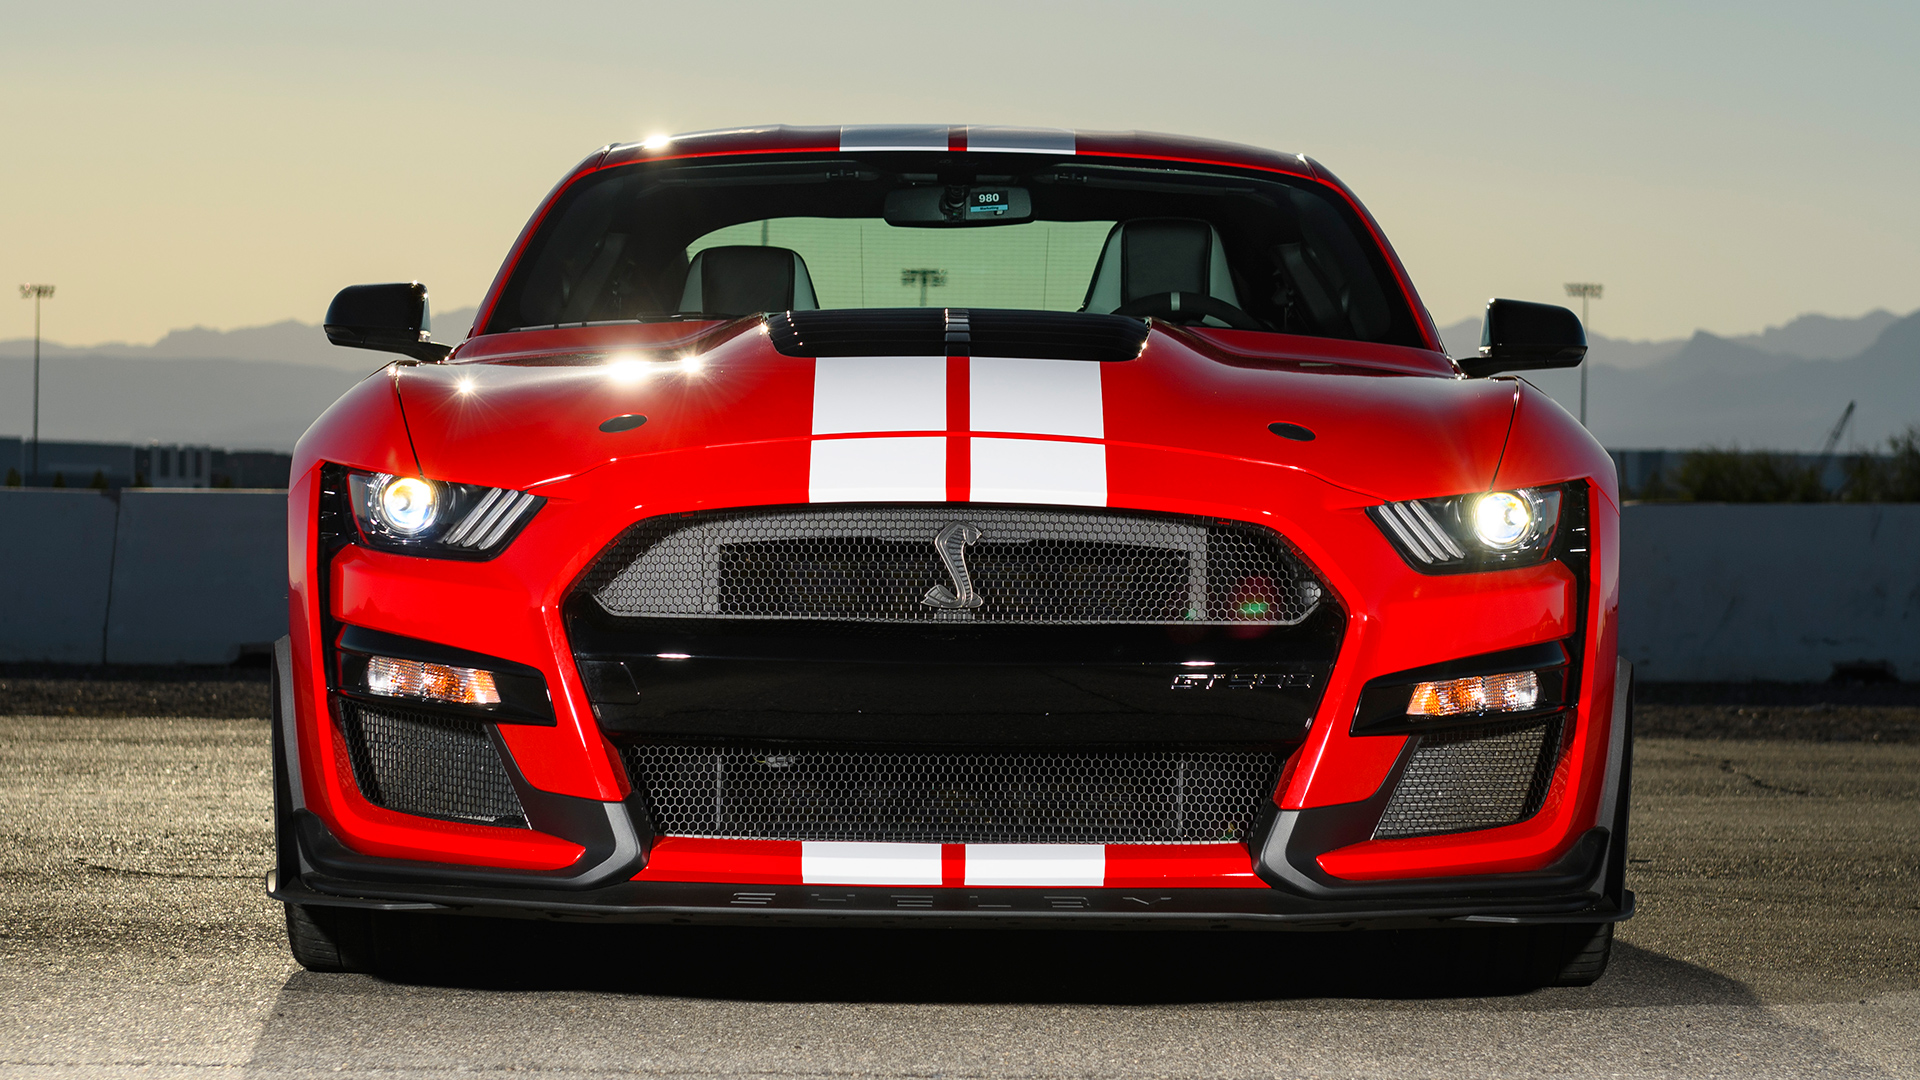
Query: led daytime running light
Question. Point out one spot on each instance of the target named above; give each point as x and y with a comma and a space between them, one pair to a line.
1515, 691
392, 677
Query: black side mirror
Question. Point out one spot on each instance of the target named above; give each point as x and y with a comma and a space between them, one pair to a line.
1519, 336
391, 318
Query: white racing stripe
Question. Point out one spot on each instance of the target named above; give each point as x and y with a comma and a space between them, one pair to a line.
1019, 140
1039, 471
1037, 864
894, 137
878, 470
869, 864
1035, 397
1005, 395
879, 393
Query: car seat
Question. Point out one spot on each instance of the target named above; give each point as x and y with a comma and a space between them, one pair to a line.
746, 280
1152, 257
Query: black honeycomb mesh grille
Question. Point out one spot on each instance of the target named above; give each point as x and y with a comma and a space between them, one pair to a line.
418, 763
960, 796
881, 564
1470, 778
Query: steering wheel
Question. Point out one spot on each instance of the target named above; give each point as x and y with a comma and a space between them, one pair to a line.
1187, 307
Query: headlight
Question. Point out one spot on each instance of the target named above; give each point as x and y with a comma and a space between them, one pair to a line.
1463, 533
418, 516
404, 504
1502, 520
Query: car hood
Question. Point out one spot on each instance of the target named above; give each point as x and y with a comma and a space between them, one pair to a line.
1383, 422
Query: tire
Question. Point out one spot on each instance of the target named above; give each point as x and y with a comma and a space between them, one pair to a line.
331, 939
1579, 956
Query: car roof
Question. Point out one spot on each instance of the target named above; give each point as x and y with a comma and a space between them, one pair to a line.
971, 138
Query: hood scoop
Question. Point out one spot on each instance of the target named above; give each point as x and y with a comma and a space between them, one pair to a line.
1038, 335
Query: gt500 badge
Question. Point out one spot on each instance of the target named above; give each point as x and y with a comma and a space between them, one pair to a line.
1296, 681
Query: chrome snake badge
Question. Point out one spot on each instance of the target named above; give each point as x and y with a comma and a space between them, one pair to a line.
951, 542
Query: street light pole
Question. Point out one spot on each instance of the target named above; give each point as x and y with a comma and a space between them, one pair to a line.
36, 293
1585, 290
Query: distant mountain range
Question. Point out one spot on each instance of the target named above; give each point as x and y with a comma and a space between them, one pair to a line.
1779, 390
260, 387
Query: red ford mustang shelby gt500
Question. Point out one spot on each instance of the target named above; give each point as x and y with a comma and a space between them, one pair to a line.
953, 526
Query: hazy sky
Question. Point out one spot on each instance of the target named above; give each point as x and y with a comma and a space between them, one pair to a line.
1717, 165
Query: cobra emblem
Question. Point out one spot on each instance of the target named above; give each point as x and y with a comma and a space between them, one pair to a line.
951, 542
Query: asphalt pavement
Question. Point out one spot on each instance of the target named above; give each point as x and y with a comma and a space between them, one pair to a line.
1778, 935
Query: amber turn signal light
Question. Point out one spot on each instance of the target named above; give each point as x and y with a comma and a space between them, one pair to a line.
391, 677
1514, 691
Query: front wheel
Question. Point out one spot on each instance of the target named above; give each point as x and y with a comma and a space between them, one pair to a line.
1575, 954
331, 939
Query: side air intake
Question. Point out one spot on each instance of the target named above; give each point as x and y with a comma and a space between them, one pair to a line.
419, 763
1478, 777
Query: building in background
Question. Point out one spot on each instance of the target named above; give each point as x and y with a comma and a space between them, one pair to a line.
66, 463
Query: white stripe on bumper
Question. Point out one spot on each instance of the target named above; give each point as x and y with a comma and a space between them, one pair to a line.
1037, 864
869, 864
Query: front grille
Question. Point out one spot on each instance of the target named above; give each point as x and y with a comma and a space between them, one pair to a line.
418, 763
882, 564
1469, 778
960, 796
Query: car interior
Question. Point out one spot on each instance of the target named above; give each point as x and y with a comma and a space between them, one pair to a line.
1219, 249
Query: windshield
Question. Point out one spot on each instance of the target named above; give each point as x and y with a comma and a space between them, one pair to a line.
706, 240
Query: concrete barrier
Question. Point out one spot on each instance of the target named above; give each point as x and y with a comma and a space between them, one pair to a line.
199, 577
149, 577
1714, 591
56, 558
1708, 591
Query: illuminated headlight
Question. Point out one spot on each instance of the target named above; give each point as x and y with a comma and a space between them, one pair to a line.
1482, 531
390, 677
1515, 691
418, 516
1502, 520
404, 504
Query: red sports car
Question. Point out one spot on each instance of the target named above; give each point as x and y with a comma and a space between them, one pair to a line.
953, 526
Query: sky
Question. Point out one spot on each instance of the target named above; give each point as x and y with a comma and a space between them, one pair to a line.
1724, 166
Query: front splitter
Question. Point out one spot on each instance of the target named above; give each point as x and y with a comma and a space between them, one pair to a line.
687, 903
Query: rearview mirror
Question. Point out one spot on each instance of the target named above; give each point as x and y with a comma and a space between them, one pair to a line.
1521, 336
391, 318
957, 204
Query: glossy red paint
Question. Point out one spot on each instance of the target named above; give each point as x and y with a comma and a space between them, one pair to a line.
729, 424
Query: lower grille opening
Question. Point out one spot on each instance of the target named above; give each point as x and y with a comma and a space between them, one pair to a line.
1478, 777
766, 792
420, 763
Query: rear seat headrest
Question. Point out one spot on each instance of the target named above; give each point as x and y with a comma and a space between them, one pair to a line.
1152, 256
746, 280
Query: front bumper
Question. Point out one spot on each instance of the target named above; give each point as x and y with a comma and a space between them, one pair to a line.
1585, 885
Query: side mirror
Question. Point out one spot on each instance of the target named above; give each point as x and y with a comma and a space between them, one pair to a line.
391, 318
1519, 336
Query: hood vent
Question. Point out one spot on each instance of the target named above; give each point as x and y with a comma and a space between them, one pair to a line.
1039, 335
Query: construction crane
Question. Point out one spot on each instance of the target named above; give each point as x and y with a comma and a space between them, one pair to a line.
1839, 429
1833, 440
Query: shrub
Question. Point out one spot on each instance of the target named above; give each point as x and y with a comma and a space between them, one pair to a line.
1894, 478
1736, 476
13, 477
